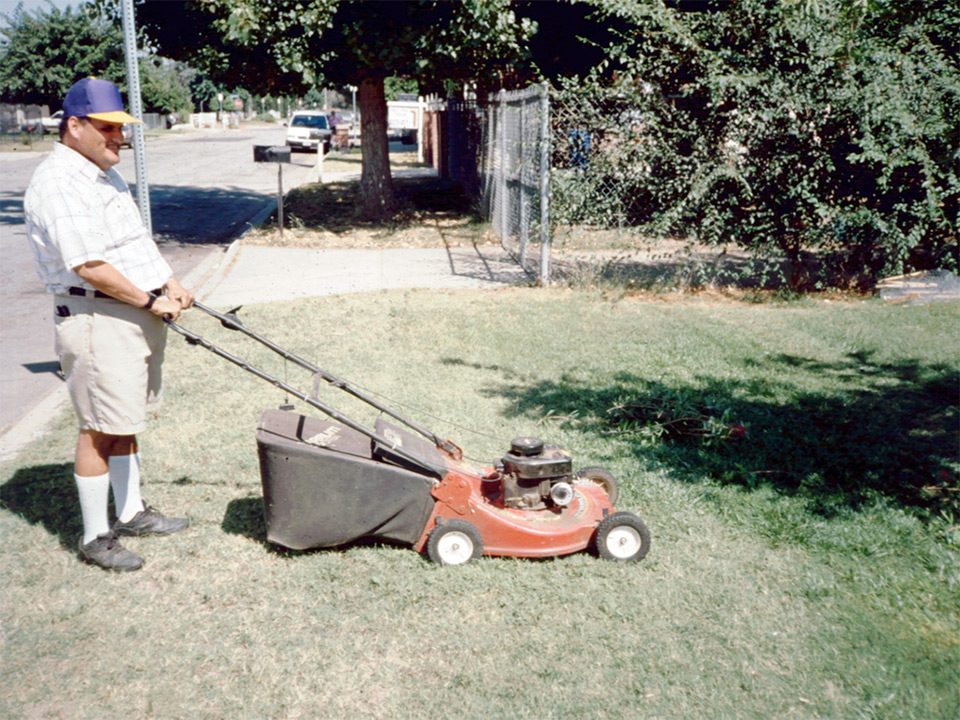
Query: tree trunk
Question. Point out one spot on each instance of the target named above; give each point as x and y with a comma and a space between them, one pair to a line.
376, 184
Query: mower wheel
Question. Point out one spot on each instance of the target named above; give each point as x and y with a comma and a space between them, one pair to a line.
454, 542
602, 477
622, 537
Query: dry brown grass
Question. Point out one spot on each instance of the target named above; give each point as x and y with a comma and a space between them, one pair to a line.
431, 213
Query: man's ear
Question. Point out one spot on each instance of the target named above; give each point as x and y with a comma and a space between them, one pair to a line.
73, 127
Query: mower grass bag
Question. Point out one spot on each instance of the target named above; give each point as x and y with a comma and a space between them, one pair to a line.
323, 486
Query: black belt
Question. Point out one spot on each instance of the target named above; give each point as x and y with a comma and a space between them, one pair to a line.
83, 292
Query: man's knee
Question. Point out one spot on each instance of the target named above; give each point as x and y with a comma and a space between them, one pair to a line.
107, 445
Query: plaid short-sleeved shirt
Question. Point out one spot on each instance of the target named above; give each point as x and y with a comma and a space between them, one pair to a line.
76, 213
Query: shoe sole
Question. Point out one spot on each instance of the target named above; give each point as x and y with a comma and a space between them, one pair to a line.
111, 568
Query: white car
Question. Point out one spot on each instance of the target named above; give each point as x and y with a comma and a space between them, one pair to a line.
308, 130
52, 123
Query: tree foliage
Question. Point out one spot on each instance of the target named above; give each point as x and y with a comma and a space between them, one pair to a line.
44, 52
788, 126
346, 42
165, 86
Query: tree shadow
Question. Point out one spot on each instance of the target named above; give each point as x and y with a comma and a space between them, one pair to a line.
193, 215
891, 430
336, 207
46, 495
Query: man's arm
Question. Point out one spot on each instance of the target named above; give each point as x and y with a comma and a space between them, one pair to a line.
107, 279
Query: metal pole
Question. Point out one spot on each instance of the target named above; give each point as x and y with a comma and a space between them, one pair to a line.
280, 197
504, 202
545, 234
136, 109
521, 185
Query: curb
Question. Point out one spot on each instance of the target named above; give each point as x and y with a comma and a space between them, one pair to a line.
34, 424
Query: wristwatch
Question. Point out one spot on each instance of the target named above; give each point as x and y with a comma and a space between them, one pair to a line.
151, 299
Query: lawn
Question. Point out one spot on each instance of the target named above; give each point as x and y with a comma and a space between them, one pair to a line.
804, 565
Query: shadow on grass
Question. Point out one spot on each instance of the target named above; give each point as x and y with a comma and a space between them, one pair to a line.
336, 207
244, 516
891, 432
46, 495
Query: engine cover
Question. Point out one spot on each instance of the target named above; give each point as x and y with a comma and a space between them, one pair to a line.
540, 462
530, 470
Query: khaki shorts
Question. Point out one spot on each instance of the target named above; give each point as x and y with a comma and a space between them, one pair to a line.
112, 356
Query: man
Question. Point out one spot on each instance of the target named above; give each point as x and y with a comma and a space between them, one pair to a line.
111, 291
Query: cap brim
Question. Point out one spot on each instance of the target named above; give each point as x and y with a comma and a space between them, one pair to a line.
117, 116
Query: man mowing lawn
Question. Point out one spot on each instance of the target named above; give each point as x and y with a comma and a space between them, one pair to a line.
111, 291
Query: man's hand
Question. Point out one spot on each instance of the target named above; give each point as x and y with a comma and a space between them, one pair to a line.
178, 293
167, 307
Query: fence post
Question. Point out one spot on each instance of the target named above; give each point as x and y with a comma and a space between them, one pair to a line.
521, 186
545, 234
504, 201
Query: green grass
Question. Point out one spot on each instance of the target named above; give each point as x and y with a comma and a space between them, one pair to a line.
799, 572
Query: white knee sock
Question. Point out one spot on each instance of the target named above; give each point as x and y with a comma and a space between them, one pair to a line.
94, 493
125, 480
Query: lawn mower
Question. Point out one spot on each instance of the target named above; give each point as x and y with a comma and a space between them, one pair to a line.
330, 482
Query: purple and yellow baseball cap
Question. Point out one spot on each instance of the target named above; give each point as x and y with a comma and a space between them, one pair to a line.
98, 99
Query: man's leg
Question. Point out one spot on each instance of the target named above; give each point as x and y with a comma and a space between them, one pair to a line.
99, 453
94, 450
91, 472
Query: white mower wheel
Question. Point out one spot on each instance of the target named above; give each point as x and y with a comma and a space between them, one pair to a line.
454, 542
622, 537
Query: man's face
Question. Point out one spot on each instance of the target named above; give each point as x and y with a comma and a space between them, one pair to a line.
97, 140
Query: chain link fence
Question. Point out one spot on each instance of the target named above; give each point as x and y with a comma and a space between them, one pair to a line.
556, 163
600, 162
515, 175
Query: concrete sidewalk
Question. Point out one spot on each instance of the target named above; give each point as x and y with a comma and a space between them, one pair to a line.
253, 274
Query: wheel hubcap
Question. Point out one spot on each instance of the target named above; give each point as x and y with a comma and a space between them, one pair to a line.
623, 542
455, 548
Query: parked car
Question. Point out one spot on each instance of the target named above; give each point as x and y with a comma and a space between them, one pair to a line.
308, 130
52, 123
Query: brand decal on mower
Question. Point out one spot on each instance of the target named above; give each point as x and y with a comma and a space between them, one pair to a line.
394, 437
325, 439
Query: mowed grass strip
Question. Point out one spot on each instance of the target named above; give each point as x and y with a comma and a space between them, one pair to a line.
776, 586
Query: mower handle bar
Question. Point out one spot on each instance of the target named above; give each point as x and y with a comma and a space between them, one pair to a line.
233, 323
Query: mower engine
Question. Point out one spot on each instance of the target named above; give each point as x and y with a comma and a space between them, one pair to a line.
534, 475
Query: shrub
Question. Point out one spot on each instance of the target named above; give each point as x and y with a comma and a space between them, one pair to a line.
782, 127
